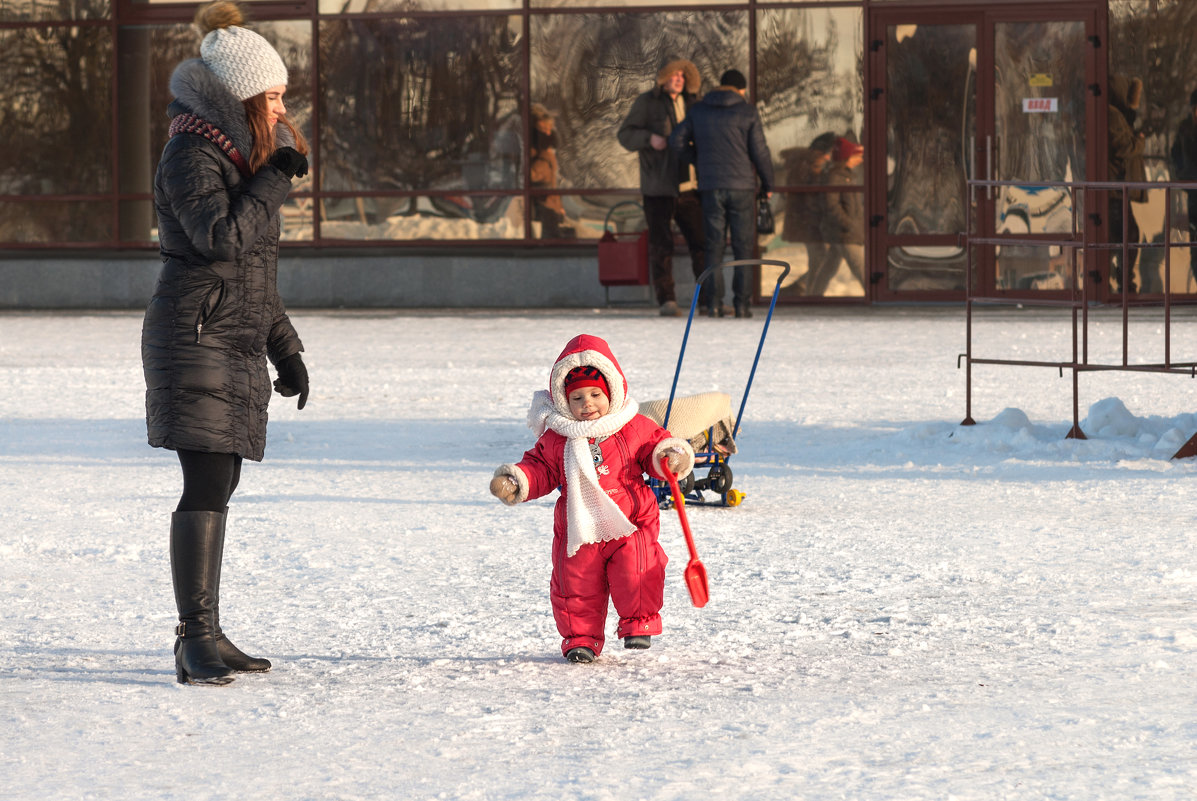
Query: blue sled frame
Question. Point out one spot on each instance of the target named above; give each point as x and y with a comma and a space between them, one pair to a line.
718, 480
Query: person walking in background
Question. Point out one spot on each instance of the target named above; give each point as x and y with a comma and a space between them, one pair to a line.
841, 220
1125, 164
724, 137
669, 189
806, 166
594, 447
542, 167
215, 317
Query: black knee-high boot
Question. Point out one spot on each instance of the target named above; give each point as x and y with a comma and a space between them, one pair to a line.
230, 654
195, 552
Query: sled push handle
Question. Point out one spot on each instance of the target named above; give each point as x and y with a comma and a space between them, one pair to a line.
768, 317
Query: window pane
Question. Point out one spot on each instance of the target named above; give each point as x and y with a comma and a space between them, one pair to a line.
577, 3
931, 121
55, 110
56, 221
421, 103
297, 214
588, 68
419, 218
382, 6
42, 11
810, 80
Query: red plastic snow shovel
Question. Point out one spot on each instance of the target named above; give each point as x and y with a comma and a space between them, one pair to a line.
696, 572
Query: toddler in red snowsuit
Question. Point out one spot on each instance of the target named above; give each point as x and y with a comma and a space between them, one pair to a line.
595, 446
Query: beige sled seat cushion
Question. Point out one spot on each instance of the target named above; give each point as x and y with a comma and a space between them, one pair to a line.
692, 415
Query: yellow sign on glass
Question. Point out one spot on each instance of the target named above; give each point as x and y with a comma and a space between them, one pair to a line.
1040, 79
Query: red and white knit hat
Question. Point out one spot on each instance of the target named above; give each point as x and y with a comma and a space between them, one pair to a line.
586, 376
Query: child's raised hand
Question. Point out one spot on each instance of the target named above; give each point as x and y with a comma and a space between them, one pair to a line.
504, 488
677, 460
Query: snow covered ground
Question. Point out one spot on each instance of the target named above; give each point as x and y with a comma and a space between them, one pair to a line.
902, 608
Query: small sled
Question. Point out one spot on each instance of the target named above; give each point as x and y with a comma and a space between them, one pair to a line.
705, 419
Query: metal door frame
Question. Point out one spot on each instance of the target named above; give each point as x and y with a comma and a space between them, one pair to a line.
1092, 13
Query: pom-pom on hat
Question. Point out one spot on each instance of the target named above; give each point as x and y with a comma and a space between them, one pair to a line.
586, 376
846, 149
243, 61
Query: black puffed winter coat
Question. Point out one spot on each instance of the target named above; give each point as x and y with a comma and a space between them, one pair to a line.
723, 136
215, 316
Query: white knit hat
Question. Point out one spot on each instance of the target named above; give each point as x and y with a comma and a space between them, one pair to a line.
243, 61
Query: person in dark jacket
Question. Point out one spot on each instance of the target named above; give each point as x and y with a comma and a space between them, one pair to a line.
806, 166
215, 317
1184, 165
724, 137
841, 220
669, 189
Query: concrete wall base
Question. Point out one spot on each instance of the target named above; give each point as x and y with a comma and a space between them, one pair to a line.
533, 278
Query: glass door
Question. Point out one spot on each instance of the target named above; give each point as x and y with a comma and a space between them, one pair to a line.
1005, 94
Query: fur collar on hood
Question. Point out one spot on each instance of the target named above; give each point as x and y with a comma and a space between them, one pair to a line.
197, 90
591, 351
693, 79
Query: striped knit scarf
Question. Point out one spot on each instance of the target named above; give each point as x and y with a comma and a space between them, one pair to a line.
190, 123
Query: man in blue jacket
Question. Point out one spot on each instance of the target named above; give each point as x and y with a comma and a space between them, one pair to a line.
724, 137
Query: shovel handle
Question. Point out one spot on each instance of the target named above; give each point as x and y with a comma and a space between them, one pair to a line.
680, 502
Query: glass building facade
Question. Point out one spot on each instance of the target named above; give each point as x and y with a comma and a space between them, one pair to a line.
420, 113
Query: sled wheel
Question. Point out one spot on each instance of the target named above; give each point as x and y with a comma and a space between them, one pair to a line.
734, 497
686, 485
720, 478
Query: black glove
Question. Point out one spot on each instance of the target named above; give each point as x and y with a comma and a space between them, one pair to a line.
290, 162
292, 377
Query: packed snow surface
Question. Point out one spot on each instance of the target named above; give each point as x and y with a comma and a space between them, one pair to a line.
902, 607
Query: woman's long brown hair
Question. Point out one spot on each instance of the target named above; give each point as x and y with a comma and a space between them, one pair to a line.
259, 125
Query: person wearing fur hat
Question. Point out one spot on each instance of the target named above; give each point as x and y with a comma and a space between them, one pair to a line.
669, 189
1125, 164
724, 136
215, 317
595, 446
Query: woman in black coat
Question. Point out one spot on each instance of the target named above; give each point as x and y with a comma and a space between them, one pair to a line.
216, 317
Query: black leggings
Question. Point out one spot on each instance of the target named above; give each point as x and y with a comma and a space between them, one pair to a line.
208, 480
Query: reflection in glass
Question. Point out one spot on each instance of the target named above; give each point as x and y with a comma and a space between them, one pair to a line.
55, 110
297, 217
930, 124
420, 217
64, 221
405, 6
588, 68
420, 103
1035, 267
43, 11
809, 79
1039, 122
577, 3
926, 267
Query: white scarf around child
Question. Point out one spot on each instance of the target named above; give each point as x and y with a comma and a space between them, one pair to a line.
591, 515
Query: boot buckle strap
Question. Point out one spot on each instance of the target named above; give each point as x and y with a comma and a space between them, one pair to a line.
181, 629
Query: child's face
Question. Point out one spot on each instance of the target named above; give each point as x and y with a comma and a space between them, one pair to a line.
588, 403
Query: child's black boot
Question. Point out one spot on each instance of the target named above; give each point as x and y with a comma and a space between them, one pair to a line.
580, 654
